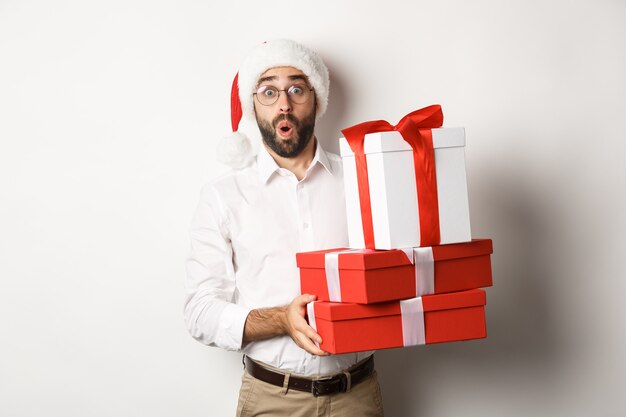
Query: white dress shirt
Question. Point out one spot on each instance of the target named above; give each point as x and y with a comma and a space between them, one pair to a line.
245, 234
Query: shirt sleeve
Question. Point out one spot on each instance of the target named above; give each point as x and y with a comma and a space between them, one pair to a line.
210, 314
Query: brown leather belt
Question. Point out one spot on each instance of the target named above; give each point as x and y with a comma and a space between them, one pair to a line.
318, 386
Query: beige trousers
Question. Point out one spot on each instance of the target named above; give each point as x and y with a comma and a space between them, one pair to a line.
258, 398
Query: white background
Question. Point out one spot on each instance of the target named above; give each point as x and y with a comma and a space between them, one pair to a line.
109, 117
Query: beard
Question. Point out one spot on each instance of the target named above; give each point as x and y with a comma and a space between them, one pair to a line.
288, 148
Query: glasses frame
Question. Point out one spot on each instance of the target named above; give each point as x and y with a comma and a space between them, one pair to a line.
281, 91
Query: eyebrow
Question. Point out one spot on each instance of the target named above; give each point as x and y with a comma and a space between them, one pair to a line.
291, 78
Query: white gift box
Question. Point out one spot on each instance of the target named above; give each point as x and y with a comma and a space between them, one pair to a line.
393, 193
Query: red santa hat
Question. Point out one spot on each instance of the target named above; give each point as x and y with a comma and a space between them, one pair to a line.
236, 150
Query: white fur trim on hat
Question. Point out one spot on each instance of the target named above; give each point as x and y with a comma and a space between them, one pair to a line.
236, 151
282, 53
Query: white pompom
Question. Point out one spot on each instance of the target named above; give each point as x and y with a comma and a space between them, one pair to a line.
235, 150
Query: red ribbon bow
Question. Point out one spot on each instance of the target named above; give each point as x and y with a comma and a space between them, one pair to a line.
415, 129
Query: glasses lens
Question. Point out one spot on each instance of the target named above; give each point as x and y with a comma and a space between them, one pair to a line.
267, 95
299, 93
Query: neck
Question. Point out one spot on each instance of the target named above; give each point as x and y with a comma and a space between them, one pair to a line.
299, 164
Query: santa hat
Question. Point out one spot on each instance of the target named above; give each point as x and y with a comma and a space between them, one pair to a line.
236, 150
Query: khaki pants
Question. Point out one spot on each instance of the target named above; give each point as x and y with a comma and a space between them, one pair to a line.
258, 398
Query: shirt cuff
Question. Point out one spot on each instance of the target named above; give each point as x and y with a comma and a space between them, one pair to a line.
233, 320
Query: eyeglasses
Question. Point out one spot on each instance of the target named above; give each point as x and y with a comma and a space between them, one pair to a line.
297, 93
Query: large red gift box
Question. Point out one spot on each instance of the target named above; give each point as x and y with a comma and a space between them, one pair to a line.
370, 276
346, 327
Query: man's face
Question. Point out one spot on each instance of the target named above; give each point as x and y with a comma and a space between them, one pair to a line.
286, 127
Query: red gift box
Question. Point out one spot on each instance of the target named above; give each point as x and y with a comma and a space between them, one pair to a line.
370, 276
348, 327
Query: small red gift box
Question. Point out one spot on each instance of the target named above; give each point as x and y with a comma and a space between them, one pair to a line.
347, 327
369, 276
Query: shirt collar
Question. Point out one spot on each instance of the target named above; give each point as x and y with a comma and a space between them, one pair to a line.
267, 166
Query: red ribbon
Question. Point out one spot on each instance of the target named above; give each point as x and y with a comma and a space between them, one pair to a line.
415, 129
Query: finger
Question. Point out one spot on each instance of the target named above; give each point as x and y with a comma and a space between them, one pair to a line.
304, 299
308, 345
312, 334
302, 326
309, 333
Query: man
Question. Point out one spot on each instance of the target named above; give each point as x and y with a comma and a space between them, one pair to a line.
242, 281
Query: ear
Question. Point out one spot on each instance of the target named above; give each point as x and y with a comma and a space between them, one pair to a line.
254, 105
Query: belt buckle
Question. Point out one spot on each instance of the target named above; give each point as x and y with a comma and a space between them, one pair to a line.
343, 384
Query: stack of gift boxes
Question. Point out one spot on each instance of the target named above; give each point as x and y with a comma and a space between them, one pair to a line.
412, 273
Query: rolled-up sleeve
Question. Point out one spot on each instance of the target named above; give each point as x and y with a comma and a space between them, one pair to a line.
210, 314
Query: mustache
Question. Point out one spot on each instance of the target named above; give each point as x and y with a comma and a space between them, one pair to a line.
286, 117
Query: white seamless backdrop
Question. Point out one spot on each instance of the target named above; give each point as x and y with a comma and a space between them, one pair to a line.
109, 117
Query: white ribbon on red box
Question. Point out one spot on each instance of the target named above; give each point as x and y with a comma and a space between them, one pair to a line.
331, 266
310, 311
413, 330
424, 263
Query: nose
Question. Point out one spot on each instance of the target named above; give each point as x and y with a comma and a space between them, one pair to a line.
284, 104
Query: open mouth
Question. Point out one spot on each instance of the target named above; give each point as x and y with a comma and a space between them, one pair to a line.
284, 128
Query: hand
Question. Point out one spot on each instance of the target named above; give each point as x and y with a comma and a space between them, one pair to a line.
297, 327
